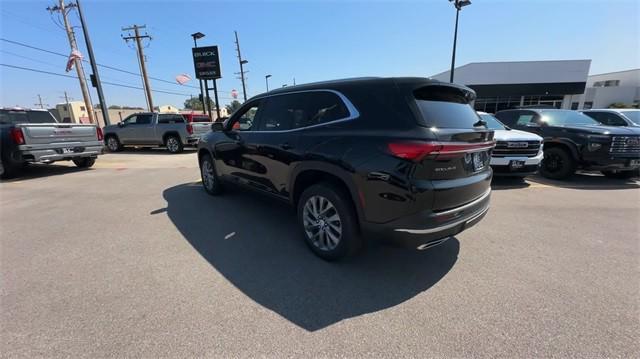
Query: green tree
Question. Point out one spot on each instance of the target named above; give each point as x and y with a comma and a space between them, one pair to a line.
233, 106
194, 103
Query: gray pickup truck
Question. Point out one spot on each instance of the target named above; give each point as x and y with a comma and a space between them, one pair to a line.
149, 129
29, 136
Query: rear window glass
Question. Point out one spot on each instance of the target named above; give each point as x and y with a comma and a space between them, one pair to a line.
200, 119
445, 107
9, 117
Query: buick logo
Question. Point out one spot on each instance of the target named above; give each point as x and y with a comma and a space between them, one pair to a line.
517, 144
633, 141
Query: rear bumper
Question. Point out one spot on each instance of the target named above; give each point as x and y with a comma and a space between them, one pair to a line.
193, 140
427, 227
54, 152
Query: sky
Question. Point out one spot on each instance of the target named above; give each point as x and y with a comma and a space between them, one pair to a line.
306, 40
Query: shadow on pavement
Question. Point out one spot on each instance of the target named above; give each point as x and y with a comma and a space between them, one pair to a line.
502, 183
40, 170
158, 151
254, 242
588, 181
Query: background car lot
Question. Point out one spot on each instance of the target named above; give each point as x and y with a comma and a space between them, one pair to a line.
142, 263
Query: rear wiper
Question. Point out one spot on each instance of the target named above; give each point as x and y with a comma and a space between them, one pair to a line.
480, 123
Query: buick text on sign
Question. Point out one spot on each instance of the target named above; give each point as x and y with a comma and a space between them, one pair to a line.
206, 62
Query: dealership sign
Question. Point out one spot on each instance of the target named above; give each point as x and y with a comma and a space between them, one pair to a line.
206, 62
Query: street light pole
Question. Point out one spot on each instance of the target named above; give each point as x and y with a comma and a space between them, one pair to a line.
266, 79
459, 4
196, 36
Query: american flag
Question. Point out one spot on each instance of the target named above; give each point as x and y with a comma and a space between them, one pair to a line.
75, 54
183, 79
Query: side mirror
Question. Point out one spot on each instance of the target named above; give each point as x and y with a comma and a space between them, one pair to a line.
120, 124
217, 127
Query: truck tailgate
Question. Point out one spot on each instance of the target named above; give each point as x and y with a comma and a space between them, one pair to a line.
200, 128
49, 133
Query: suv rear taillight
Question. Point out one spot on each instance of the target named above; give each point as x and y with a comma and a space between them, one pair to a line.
17, 136
417, 150
189, 128
99, 133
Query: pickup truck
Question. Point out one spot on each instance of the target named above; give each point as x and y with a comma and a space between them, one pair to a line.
517, 153
574, 141
29, 136
149, 129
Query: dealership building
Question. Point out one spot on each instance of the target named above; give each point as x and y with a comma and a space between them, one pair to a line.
560, 84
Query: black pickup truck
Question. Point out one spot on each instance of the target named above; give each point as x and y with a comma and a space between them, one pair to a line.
573, 141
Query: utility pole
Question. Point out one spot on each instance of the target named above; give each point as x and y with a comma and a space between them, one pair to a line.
40, 102
77, 61
94, 67
143, 67
242, 62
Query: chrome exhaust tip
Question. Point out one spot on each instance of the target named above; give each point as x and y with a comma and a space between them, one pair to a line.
431, 244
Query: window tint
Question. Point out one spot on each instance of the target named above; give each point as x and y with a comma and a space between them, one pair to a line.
143, 119
607, 118
246, 121
445, 107
321, 107
13, 117
524, 119
200, 119
560, 118
170, 119
633, 115
281, 112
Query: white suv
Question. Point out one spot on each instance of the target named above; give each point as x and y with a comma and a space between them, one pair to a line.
517, 153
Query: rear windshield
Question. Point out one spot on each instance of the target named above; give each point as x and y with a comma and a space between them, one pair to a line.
561, 118
445, 107
200, 119
12, 117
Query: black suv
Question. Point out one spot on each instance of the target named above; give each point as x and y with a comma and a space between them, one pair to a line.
573, 140
405, 159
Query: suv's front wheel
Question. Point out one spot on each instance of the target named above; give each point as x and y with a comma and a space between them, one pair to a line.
328, 221
557, 163
210, 180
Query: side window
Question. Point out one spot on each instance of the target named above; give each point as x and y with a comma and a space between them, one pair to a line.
170, 119
130, 120
282, 111
524, 119
246, 121
143, 119
321, 107
612, 119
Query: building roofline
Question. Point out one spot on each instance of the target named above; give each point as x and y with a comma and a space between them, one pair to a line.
615, 72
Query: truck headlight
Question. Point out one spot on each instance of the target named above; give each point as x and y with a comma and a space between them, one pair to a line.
596, 142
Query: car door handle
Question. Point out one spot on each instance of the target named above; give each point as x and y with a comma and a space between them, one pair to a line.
285, 146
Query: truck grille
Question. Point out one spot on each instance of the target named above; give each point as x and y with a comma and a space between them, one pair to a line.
625, 144
516, 149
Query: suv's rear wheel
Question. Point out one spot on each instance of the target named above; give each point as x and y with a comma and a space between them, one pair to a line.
173, 143
557, 163
113, 144
84, 162
210, 180
328, 222
621, 174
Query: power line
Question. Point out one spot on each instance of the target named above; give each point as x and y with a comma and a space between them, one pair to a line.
108, 83
101, 65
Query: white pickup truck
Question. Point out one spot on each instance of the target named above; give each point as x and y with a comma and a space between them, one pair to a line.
517, 153
28, 136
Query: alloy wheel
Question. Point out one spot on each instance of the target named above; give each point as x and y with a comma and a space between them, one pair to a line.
172, 144
553, 162
112, 143
208, 177
322, 223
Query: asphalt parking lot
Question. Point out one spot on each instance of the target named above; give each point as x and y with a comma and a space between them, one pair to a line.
132, 259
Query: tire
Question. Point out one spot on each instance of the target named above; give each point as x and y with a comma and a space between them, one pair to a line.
557, 163
113, 143
621, 174
328, 222
10, 170
173, 144
84, 162
210, 180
